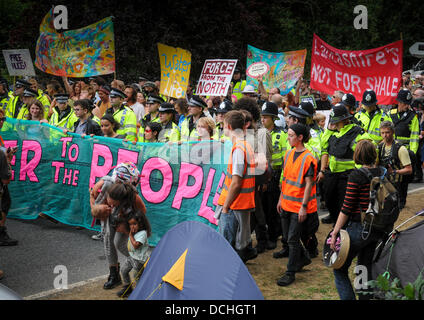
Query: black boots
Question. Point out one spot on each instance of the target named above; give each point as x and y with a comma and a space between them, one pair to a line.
5, 240
125, 292
247, 253
114, 278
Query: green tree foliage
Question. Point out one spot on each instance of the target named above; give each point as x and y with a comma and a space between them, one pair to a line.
221, 29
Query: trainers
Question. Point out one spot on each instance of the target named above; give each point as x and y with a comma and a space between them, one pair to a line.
98, 236
283, 253
286, 279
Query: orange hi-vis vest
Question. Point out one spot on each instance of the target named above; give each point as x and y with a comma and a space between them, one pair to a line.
294, 184
246, 198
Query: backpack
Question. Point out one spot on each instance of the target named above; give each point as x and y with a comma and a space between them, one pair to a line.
383, 209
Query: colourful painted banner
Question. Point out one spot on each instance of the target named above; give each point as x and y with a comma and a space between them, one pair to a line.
283, 69
379, 69
175, 65
85, 52
52, 173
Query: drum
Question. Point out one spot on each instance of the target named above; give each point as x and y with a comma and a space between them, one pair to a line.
336, 259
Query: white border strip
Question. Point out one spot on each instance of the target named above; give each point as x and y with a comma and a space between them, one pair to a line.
415, 190
56, 291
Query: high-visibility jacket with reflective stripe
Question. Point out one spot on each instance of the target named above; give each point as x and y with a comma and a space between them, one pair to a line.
279, 147
169, 132
219, 131
340, 164
23, 112
11, 107
66, 122
294, 183
4, 101
144, 122
371, 122
128, 122
407, 128
238, 88
191, 135
245, 200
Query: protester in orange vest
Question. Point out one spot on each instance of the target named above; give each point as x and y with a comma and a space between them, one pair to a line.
237, 198
297, 204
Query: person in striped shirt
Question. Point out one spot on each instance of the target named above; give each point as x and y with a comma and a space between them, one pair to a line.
356, 200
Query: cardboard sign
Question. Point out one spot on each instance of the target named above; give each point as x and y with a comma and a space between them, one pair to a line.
216, 77
378, 69
175, 64
19, 62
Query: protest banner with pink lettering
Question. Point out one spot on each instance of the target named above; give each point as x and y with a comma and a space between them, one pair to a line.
378, 69
216, 77
52, 173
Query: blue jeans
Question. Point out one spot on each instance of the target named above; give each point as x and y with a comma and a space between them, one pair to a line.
227, 226
364, 250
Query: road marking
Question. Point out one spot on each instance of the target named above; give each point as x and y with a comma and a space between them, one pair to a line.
71, 286
415, 190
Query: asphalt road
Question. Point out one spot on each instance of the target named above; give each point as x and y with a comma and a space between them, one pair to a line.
43, 246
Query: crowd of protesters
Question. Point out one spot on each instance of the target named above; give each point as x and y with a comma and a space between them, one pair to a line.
305, 166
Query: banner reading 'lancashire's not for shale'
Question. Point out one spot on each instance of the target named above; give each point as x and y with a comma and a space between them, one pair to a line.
379, 69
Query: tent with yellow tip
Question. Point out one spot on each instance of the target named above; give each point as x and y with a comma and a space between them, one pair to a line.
192, 261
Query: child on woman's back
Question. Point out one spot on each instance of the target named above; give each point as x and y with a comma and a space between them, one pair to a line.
138, 247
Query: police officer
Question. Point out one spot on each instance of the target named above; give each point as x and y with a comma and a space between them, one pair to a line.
195, 110
407, 127
238, 83
5, 94
63, 115
271, 195
224, 107
170, 131
15, 104
337, 151
153, 103
349, 101
123, 115
370, 116
29, 94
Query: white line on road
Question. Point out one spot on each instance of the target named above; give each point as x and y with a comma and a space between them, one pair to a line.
72, 286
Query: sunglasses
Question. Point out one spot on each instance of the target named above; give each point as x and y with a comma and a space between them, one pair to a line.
148, 130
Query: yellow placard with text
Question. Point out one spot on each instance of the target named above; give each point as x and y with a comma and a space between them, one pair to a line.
175, 64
